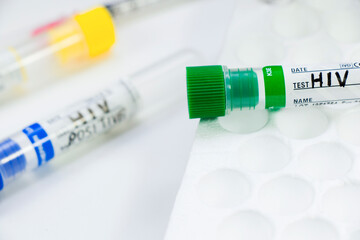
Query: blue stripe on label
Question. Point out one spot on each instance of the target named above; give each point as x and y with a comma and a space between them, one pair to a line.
1, 182
16, 163
42, 144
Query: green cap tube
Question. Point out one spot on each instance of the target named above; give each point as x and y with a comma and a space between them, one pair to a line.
206, 91
215, 90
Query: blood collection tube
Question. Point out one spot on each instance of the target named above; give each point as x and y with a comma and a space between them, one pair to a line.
143, 93
215, 91
63, 45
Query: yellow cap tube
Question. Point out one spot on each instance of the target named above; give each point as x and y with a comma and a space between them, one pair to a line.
87, 34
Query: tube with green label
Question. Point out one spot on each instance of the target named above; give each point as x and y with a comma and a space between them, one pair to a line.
214, 91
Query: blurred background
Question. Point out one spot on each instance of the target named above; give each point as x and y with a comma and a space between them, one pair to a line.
120, 186
123, 185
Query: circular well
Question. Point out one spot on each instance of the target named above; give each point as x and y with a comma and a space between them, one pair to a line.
310, 229
259, 49
301, 123
348, 127
248, 225
296, 20
244, 121
263, 154
343, 203
286, 195
343, 24
223, 188
316, 52
326, 160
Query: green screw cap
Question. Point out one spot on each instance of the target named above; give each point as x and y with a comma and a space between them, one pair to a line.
206, 91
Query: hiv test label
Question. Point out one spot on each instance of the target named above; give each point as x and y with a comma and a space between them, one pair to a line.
42, 141
89, 118
322, 85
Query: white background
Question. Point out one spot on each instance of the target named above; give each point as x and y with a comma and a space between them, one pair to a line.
120, 186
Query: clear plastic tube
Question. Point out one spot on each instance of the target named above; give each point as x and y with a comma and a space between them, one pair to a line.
123, 8
215, 91
62, 46
42, 141
54, 49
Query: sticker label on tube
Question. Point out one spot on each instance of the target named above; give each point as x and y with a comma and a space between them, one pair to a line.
11, 162
42, 144
87, 119
322, 85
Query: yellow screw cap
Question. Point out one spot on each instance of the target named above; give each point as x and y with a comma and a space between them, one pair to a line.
98, 29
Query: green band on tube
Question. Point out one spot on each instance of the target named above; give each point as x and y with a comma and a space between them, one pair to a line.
244, 89
274, 81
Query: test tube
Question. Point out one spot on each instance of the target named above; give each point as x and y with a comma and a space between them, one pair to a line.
215, 91
63, 45
143, 93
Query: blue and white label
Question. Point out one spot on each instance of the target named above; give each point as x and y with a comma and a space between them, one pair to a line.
41, 142
11, 162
